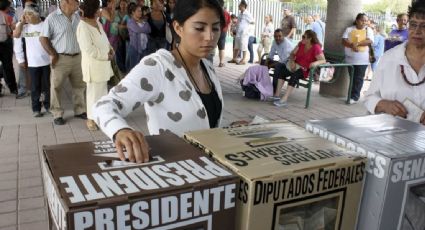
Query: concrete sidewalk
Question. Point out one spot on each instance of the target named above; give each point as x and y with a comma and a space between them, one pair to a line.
22, 204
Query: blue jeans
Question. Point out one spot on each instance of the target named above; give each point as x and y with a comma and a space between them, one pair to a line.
134, 57
22, 80
251, 41
359, 73
40, 83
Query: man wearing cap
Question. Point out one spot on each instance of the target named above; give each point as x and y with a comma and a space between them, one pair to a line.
288, 24
59, 40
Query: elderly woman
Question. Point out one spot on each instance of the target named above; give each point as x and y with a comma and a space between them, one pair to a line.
398, 85
306, 55
138, 29
356, 40
96, 56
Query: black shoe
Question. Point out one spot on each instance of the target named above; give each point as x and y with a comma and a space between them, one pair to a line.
59, 121
82, 116
14, 92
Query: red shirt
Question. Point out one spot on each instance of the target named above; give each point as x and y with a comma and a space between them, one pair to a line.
305, 58
226, 21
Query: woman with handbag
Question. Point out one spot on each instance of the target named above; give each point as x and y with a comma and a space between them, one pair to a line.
96, 56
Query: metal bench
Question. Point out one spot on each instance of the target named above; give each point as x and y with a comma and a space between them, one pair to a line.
335, 60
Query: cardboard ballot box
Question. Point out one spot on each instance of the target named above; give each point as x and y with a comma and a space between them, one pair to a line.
394, 192
87, 187
289, 179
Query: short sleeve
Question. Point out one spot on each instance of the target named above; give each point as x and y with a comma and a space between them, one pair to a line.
45, 31
317, 50
346, 32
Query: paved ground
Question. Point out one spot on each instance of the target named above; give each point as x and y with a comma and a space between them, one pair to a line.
22, 204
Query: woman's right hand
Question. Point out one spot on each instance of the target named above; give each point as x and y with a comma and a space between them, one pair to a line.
134, 143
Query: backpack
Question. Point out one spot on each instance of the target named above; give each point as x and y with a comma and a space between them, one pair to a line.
250, 91
4, 28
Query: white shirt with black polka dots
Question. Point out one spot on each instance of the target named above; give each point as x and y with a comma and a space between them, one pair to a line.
171, 101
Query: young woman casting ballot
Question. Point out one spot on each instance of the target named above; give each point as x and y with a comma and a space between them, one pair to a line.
179, 88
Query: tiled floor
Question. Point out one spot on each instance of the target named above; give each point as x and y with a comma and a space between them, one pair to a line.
22, 204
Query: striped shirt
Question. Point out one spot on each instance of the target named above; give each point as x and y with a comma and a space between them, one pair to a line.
62, 32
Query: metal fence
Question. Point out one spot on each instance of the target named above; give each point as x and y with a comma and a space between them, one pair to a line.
259, 9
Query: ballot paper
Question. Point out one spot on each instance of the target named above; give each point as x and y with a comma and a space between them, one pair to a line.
414, 112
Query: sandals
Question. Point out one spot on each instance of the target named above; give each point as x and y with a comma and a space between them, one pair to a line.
91, 125
241, 63
231, 61
221, 65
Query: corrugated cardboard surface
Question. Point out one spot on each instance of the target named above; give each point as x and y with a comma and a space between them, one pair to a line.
190, 173
396, 155
267, 156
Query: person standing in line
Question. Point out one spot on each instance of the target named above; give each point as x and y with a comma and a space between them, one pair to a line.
400, 75
319, 27
96, 56
19, 48
6, 47
110, 22
222, 40
399, 34
266, 37
251, 41
121, 17
158, 24
242, 33
138, 29
38, 60
309, 23
59, 40
378, 44
356, 40
288, 24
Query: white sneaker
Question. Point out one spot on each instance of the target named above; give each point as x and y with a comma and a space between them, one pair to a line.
273, 98
352, 101
280, 103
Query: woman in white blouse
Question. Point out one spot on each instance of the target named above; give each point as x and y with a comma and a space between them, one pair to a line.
266, 36
96, 56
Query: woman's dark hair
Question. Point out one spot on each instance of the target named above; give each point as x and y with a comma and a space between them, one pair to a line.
358, 17
187, 8
90, 7
119, 3
311, 34
416, 9
131, 8
4, 4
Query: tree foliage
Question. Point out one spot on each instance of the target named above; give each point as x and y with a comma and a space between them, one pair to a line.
394, 6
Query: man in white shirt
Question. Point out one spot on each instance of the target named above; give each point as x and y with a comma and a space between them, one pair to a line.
398, 85
281, 47
242, 33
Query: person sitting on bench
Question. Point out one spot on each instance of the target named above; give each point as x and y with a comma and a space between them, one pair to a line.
307, 54
283, 47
